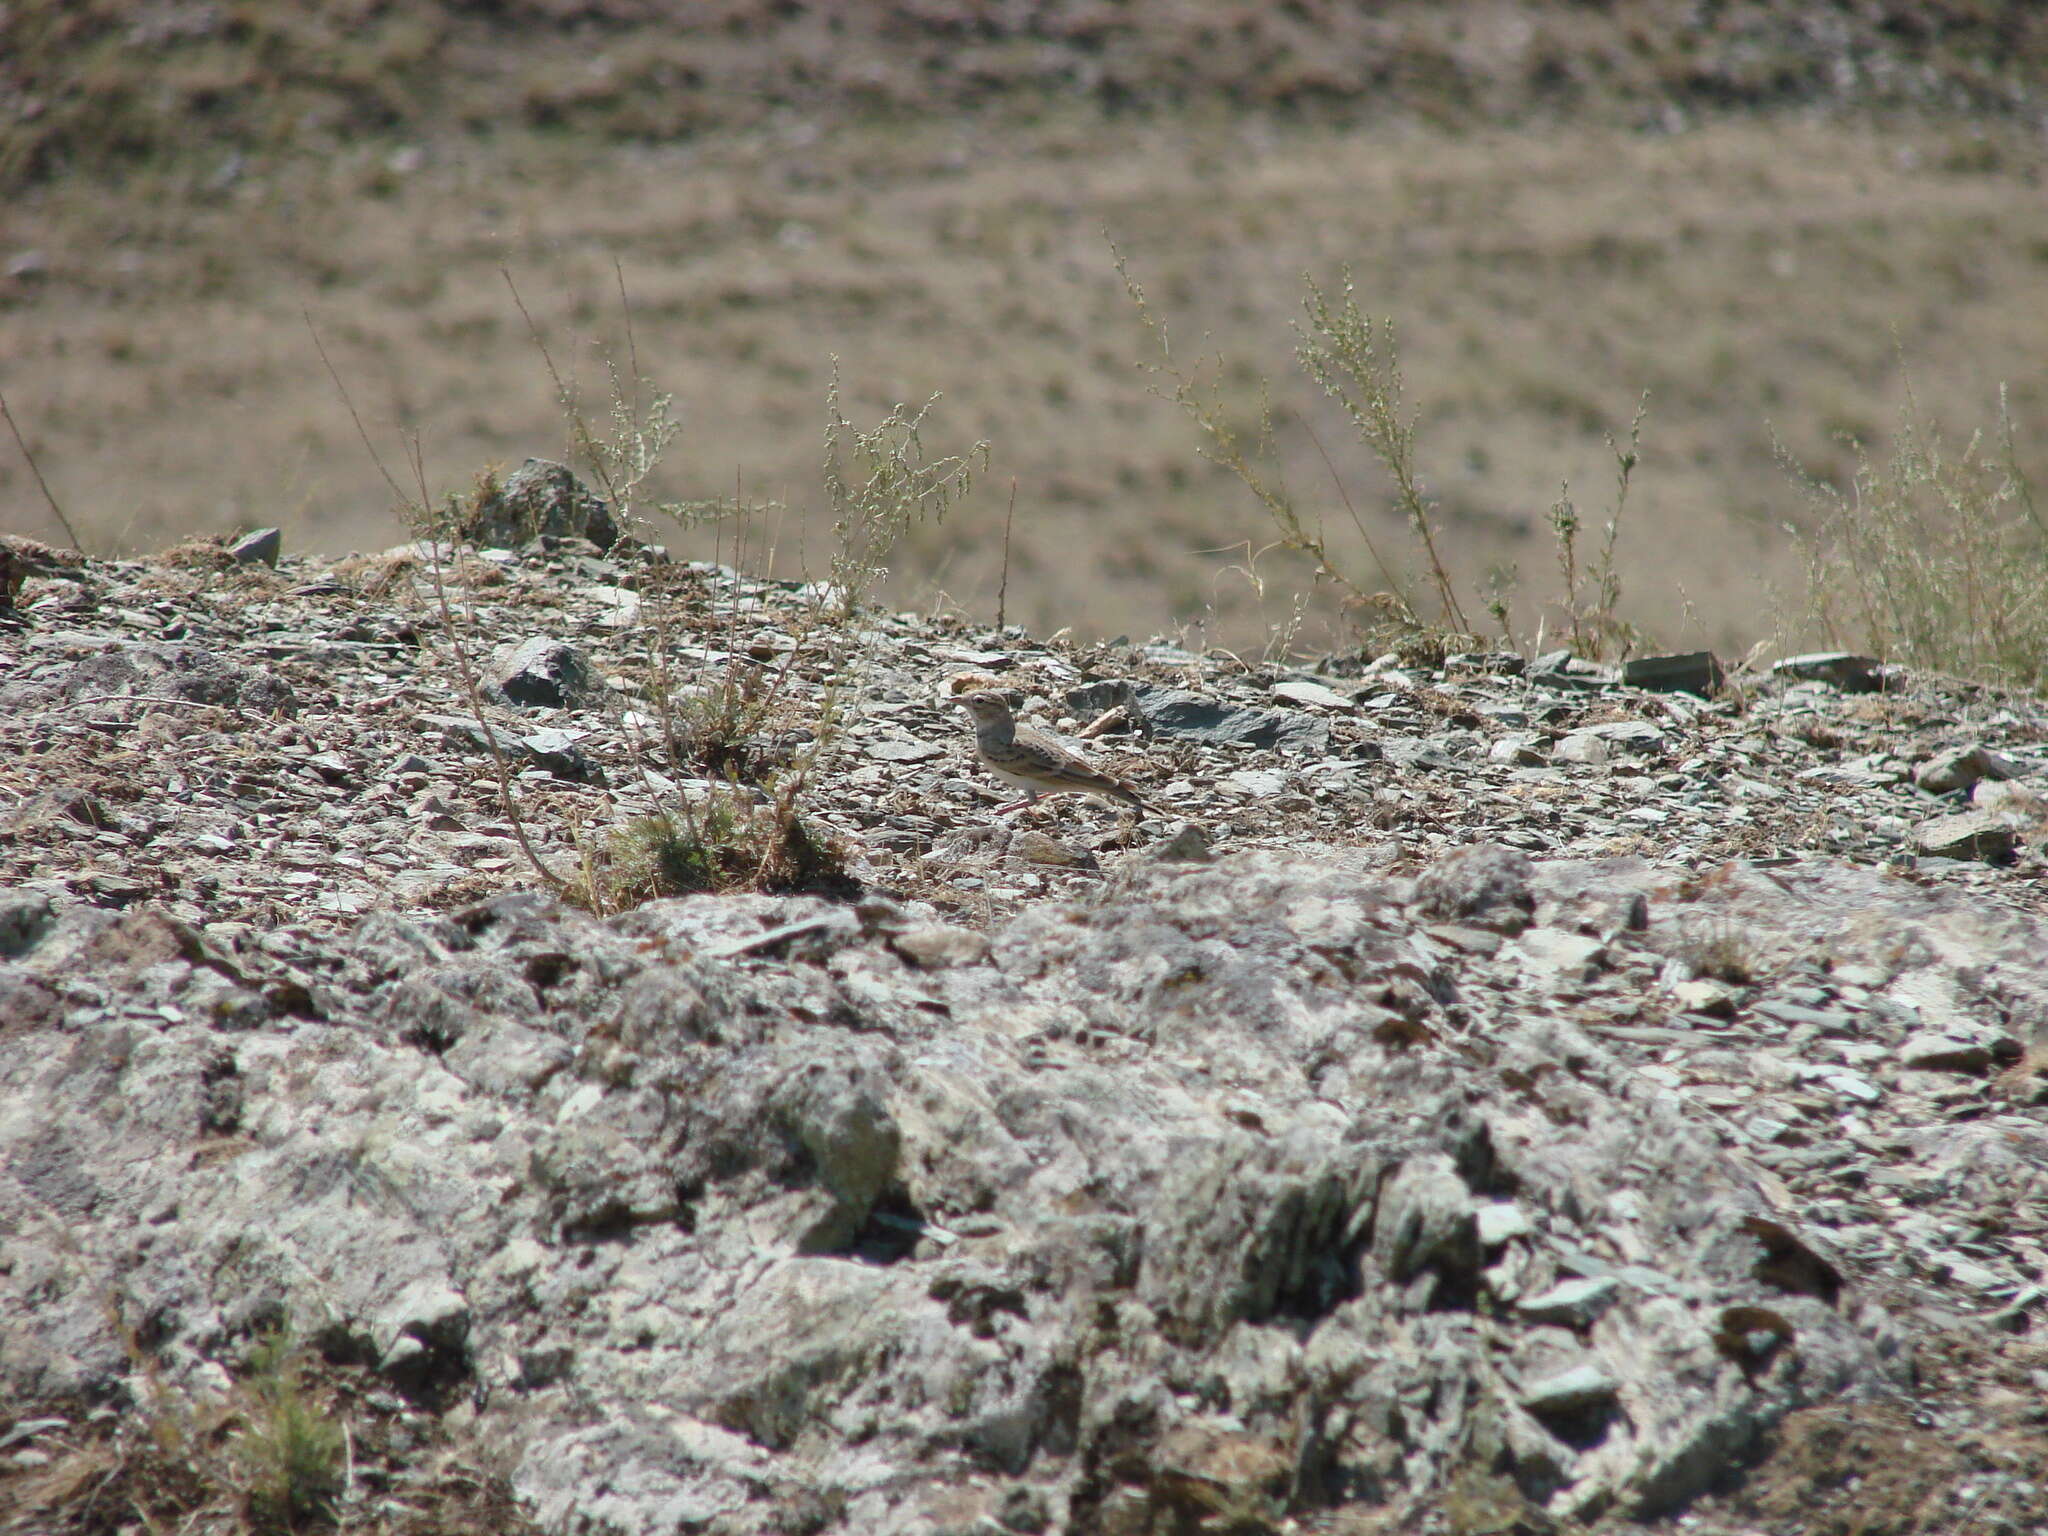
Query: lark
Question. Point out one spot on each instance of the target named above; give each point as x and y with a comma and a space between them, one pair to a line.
1032, 761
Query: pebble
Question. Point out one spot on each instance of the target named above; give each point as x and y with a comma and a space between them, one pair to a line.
1981, 835
1312, 695
1961, 768
1569, 1391
1571, 1303
1943, 1053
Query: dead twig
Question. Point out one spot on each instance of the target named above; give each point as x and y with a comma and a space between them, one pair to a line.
1003, 586
35, 469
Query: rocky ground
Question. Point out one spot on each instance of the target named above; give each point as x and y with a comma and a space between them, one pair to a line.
1487, 1097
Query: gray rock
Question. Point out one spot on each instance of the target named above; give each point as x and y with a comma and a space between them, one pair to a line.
183, 672
550, 748
1310, 694
1850, 1086
1563, 669
711, 1162
260, 546
541, 497
1035, 847
1826, 1021
1571, 1303
1526, 749
1843, 669
543, 673
1983, 835
1962, 768
1556, 959
1371, 1175
1691, 672
902, 750
425, 1329
2023, 803
1501, 1221
936, 946
559, 753
1188, 845
1179, 714
1484, 887
1942, 1053
1565, 1393
1599, 743
1712, 998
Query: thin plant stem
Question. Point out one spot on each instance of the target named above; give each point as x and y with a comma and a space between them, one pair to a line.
1392, 579
376, 458
507, 801
416, 455
626, 316
43, 485
1003, 585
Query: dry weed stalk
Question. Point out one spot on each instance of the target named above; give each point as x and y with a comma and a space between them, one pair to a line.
1358, 365
35, 469
1933, 558
1592, 597
430, 529
880, 483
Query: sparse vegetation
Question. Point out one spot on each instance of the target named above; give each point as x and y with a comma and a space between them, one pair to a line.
1935, 557
1358, 365
726, 750
271, 1455
241, 1467
1250, 453
1356, 362
725, 844
1592, 595
880, 484
289, 1447
1714, 948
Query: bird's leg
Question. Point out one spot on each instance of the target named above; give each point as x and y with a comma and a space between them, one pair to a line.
1018, 805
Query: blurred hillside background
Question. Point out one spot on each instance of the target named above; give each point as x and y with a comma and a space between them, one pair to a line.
1751, 211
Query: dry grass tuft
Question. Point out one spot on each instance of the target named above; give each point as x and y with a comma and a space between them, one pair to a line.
1935, 557
723, 844
296, 1445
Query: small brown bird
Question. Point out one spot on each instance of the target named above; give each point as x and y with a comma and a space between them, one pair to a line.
1032, 761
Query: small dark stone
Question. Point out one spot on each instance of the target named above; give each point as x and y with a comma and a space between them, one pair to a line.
262, 545
1564, 670
1693, 672
25, 917
557, 752
1846, 671
544, 673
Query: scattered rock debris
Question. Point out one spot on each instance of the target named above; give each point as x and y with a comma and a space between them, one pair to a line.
1486, 1097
